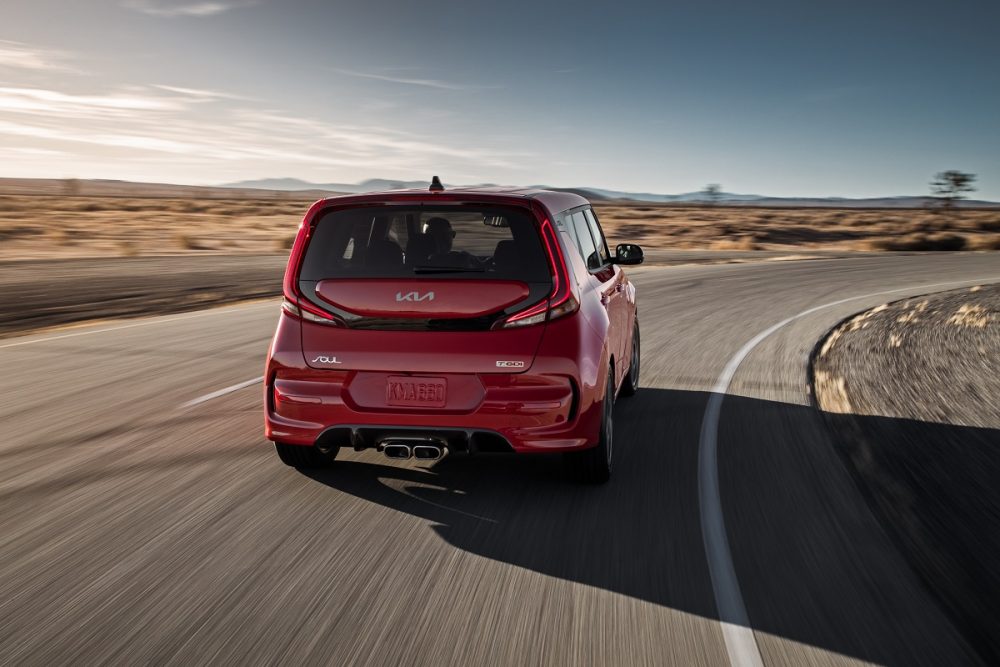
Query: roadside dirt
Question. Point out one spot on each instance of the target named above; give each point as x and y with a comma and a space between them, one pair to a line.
40, 294
912, 391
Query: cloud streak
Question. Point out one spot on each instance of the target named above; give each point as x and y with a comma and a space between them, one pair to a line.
15, 55
426, 83
199, 93
189, 9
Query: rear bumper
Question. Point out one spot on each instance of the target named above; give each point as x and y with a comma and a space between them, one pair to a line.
520, 413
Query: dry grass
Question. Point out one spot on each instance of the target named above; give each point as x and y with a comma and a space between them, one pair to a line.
55, 225
748, 228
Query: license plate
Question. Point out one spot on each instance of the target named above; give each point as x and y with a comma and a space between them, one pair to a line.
416, 392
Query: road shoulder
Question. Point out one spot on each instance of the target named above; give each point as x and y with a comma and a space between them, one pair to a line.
910, 391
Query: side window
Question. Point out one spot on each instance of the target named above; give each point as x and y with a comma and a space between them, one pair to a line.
591, 256
567, 223
595, 229
398, 232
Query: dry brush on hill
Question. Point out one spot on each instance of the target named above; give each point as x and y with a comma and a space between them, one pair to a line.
39, 226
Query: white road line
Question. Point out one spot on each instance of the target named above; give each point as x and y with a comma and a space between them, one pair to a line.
222, 392
144, 323
741, 645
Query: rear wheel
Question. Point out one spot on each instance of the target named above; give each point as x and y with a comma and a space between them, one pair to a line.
631, 384
300, 456
593, 465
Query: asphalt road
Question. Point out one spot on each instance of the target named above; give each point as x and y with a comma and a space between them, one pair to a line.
138, 527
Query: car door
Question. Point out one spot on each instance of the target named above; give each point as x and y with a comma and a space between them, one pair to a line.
604, 278
618, 305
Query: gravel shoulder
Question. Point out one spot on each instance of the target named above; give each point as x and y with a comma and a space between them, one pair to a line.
911, 390
36, 294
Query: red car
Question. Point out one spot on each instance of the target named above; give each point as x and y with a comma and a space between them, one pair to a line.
421, 322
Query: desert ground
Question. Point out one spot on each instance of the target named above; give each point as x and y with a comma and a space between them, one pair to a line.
65, 219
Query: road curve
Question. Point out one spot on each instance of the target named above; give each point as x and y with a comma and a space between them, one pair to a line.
144, 519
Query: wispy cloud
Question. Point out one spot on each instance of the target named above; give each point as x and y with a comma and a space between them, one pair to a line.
186, 8
69, 124
199, 93
16, 55
144, 126
427, 83
56, 103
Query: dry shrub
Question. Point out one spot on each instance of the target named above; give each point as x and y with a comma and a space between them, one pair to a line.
188, 242
193, 206
985, 242
63, 236
16, 231
989, 225
285, 242
128, 248
919, 241
747, 242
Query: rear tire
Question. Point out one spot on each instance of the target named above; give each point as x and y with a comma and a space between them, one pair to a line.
301, 456
593, 466
631, 383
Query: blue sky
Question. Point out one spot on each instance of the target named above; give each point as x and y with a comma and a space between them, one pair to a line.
774, 97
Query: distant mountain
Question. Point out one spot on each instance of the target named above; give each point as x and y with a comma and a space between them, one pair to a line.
291, 185
295, 184
652, 197
595, 194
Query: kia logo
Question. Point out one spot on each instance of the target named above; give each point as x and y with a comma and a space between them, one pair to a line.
414, 296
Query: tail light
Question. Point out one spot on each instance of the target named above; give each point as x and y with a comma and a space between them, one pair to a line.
294, 303
560, 301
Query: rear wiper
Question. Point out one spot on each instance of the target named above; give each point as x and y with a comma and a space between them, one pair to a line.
448, 269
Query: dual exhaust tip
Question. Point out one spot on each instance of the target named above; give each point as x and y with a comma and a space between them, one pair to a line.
418, 449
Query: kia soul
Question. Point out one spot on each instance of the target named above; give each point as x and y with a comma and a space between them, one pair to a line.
426, 322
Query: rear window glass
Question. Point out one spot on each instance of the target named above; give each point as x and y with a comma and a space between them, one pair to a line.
402, 241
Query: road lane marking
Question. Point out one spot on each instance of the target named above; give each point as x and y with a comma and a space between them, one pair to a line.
145, 323
741, 645
222, 392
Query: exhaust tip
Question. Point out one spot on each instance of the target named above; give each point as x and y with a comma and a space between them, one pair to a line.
396, 451
428, 452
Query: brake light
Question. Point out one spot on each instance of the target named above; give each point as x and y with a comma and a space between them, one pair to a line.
560, 301
299, 312
294, 303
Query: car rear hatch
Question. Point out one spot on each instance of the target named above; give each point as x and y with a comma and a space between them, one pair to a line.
422, 288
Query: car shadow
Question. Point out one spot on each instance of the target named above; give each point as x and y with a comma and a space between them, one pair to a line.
790, 500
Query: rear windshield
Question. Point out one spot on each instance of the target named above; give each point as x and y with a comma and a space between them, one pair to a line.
403, 241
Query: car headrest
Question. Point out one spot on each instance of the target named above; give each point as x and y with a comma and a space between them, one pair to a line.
383, 253
418, 249
506, 256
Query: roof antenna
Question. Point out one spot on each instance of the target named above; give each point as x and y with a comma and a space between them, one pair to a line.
436, 185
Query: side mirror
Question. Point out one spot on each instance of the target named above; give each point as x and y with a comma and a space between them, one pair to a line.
628, 253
